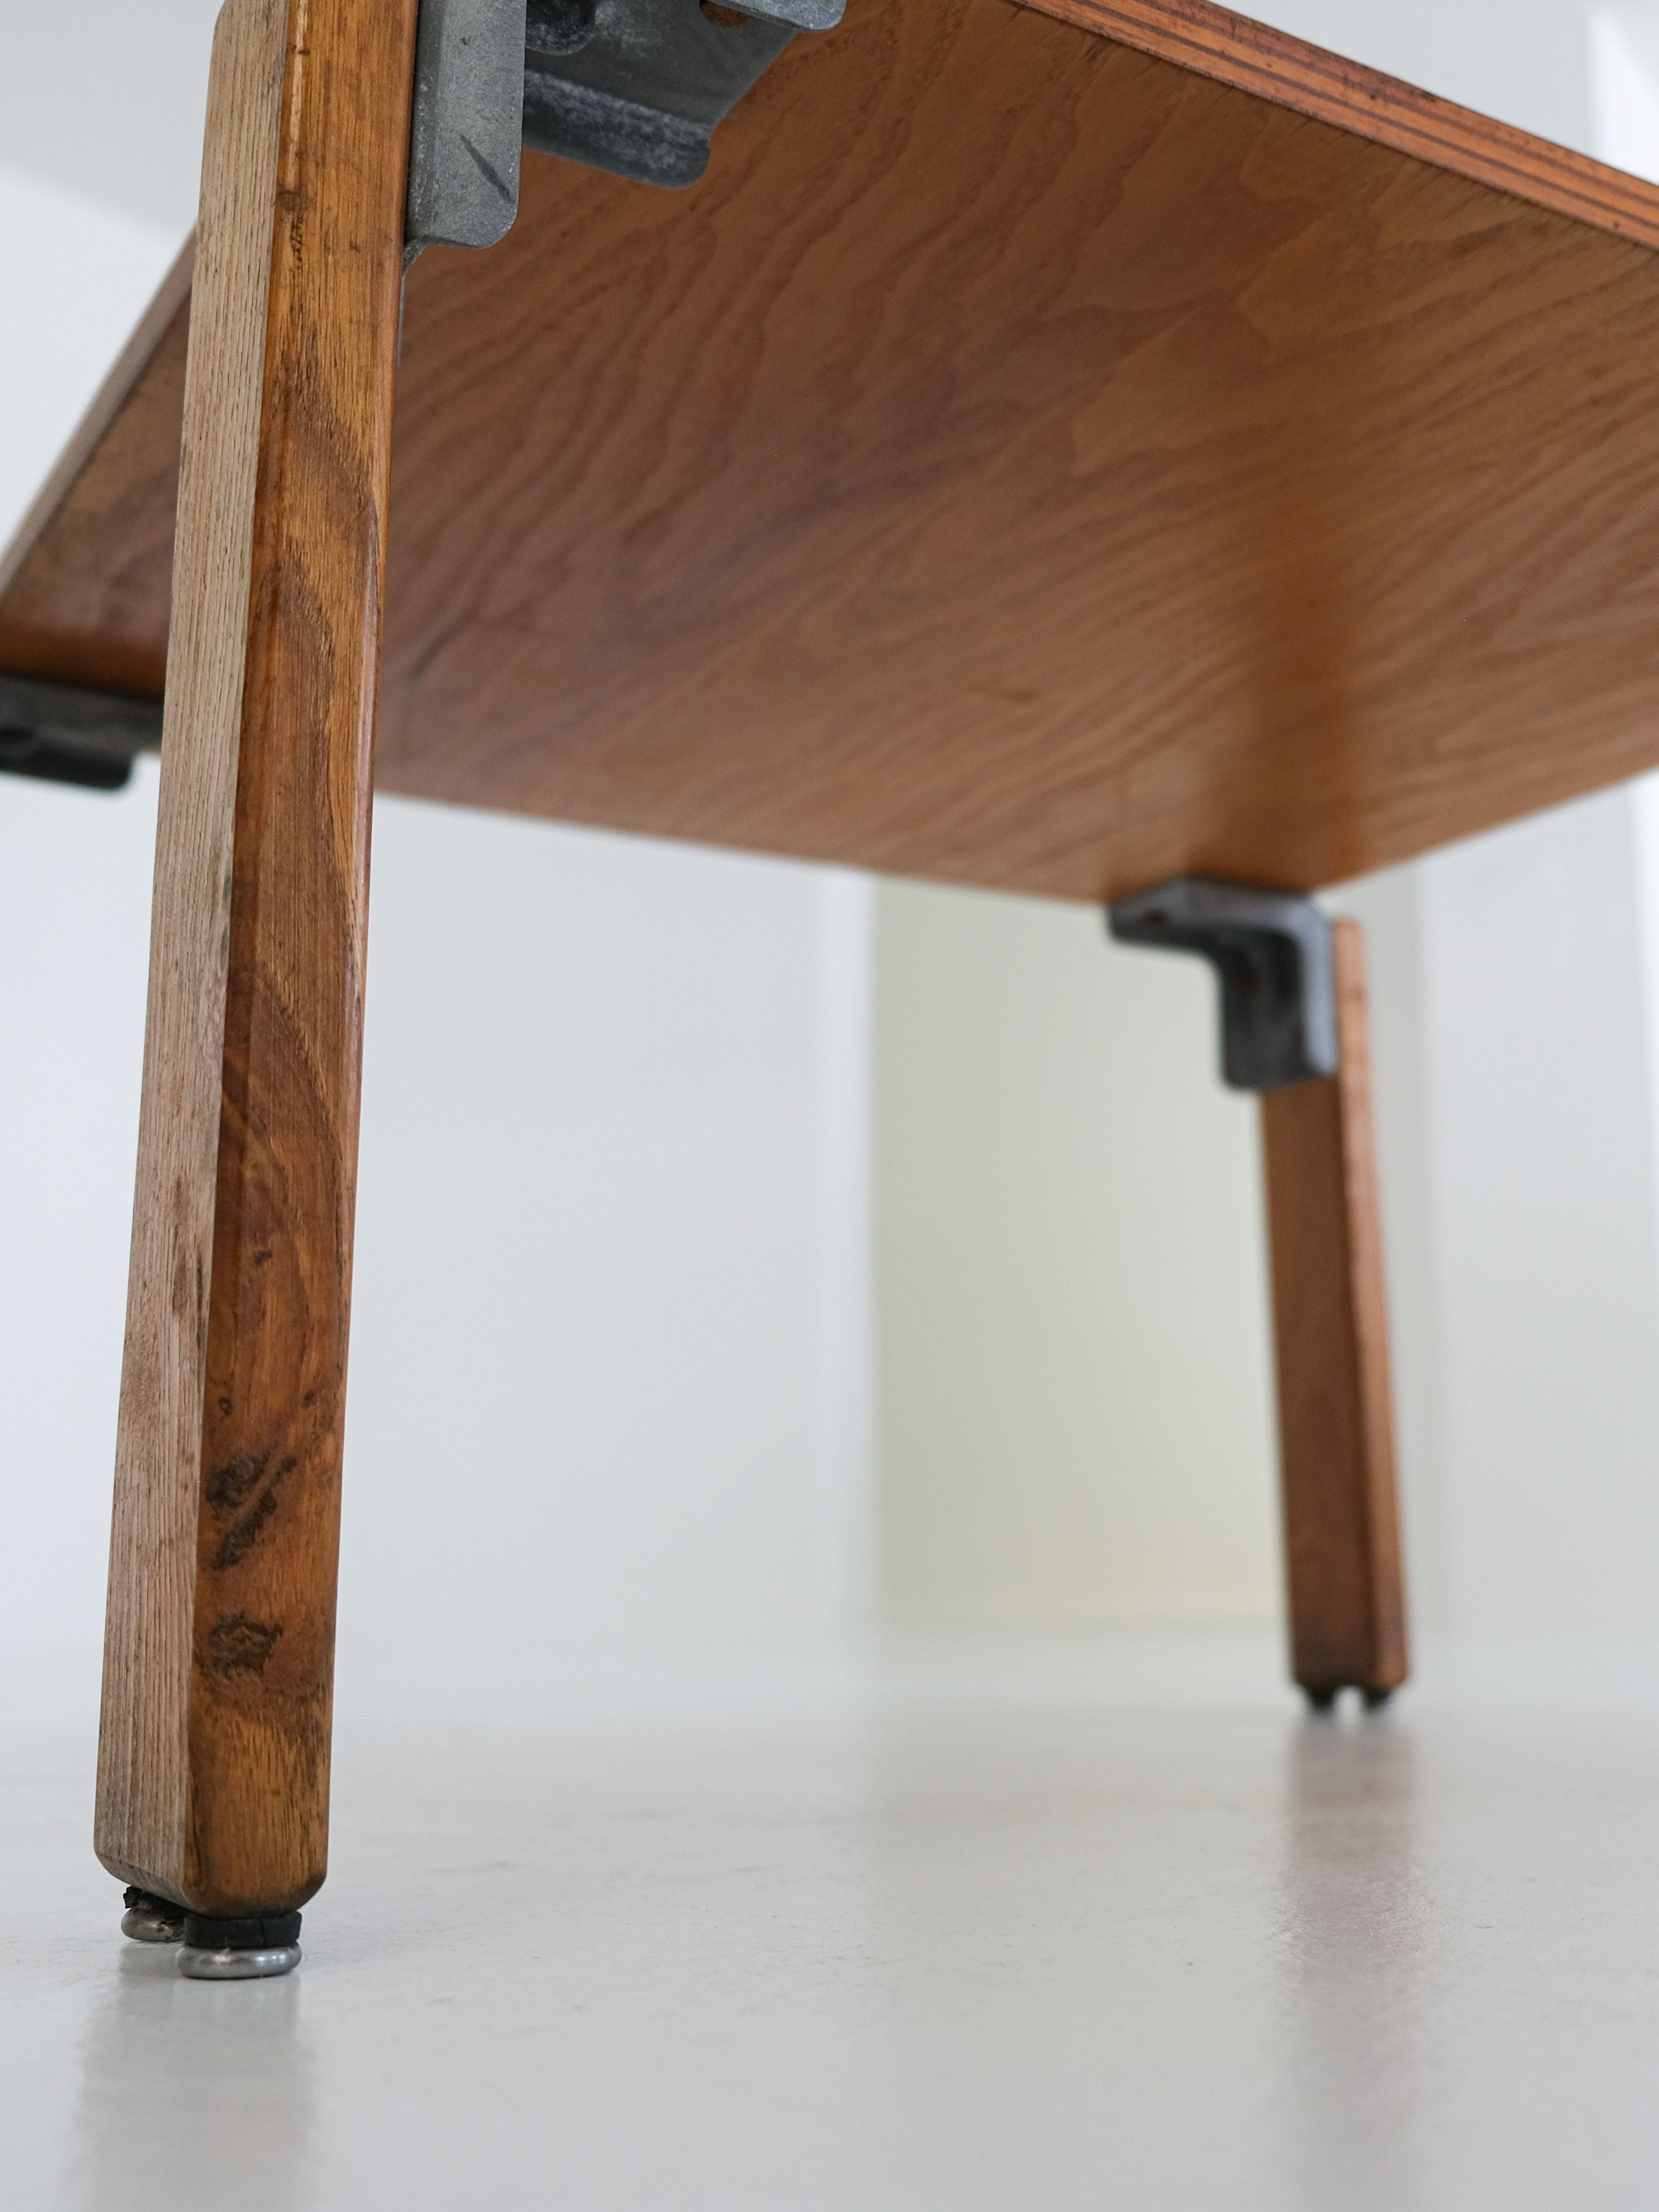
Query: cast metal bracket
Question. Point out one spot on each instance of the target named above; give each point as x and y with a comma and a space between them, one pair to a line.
466, 125
635, 87
1271, 952
66, 735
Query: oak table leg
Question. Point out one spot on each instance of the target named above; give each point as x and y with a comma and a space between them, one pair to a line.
1336, 1429
213, 1752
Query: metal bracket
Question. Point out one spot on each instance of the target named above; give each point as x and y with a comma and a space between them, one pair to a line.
635, 87
1272, 951
63, 734
467, 124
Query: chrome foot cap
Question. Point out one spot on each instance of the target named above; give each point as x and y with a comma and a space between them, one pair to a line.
150, 1919
247, 1950
228, 1965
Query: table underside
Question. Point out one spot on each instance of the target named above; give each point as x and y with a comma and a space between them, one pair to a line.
1047, 455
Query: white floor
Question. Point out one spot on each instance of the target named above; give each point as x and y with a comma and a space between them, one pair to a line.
947, 1952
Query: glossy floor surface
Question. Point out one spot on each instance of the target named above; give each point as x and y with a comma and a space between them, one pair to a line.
944, 1957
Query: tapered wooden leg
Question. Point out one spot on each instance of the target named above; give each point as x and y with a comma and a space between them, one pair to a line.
1336, 1427
213, 1764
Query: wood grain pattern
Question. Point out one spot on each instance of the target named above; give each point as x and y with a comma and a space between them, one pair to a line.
1331, 1340
214, 1773
1046, 458
143, 1769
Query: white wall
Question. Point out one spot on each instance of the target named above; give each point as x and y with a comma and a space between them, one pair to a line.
1076, 1416
606, 1413
1516, 1145
1524, 61
104, 101
74, 918
1545, 1217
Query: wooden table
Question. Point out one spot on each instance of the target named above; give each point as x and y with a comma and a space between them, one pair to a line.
1057, 447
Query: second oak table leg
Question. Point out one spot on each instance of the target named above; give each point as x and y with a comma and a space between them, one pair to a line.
1330, 1329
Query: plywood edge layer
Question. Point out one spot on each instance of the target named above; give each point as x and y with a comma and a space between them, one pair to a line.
142, 1767
1271, 64
112, 395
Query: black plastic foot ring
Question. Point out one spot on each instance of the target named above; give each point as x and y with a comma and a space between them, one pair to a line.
238, 1950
